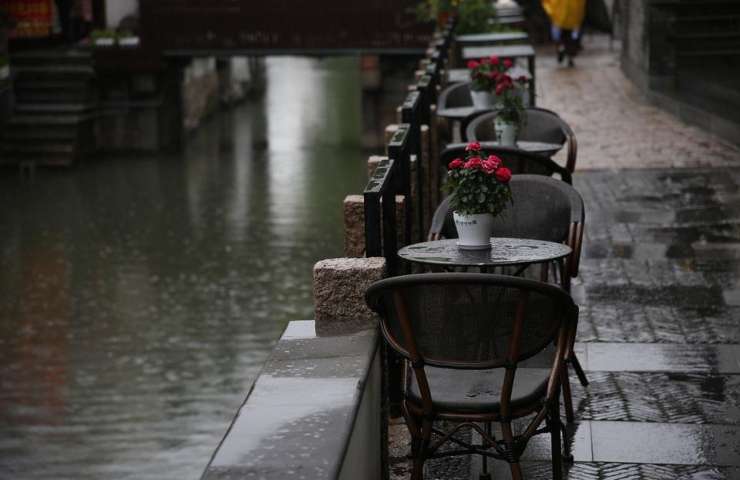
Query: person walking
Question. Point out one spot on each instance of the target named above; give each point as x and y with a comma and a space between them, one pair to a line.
566, 18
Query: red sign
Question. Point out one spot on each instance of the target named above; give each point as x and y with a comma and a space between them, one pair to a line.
32, 18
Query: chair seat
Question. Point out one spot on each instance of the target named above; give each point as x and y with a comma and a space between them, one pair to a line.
472, 391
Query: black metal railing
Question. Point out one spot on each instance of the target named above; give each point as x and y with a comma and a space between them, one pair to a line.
395, 176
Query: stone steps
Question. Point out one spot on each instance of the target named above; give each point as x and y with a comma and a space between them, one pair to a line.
55, 105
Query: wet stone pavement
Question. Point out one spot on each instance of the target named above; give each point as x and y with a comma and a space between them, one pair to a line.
659, 333
614, 125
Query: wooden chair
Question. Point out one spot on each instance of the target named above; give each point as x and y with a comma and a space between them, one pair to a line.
464, 338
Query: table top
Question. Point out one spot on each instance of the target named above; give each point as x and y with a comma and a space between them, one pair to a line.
458, 75
544, 148
490, 38
507, 51
503, 251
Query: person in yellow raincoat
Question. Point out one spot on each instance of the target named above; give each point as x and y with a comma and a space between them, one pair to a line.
566, 17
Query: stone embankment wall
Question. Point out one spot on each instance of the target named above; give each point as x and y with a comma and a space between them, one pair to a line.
315, 410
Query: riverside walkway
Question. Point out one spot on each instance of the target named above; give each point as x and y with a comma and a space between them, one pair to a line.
659, 290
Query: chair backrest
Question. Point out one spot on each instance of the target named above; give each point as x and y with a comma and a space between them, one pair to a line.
543, 208
518, 161
455, 95
469, 320
540, 126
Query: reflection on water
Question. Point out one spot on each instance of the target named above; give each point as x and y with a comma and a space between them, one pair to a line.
139, 296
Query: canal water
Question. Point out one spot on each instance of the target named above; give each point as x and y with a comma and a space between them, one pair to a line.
140, 295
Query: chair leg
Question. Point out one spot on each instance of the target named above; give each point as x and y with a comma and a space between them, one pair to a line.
573, 360
420, 450
508, 434
516, 471
567, 398
484, 473
553, 424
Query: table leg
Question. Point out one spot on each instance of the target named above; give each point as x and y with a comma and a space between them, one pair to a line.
532, 84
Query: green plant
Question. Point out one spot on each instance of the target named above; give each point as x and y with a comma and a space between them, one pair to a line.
509, 93
431, 10
125, 34
475, 16
103, 33
478, 183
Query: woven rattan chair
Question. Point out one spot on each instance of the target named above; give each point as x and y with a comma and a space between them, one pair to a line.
541, 126
543, 209
464, 338
518, 161
453, 96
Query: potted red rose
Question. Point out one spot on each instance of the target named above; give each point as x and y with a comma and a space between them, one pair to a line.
479, 189
510, 116
483, 76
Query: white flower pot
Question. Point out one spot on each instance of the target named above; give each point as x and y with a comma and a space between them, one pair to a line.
105, 42
506, 132
4, 72
129, 41
473, 231
482, 99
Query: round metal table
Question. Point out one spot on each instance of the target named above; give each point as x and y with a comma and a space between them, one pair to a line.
542, 148
503, 252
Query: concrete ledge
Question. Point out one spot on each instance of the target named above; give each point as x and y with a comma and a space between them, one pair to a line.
313, 413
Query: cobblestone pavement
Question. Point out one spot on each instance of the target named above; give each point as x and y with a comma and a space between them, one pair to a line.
659, 333
614, 126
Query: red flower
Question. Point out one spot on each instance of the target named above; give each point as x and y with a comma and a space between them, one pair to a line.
485, 61
456, 163
503, 175
508, 63
473, 147
492, 162
494, 60
522, 79
501, 88
493, 75
488, 168
472, 64
473, 163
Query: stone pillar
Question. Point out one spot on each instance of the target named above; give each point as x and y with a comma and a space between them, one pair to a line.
339, 286
390, 130
354, 226
372, 164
